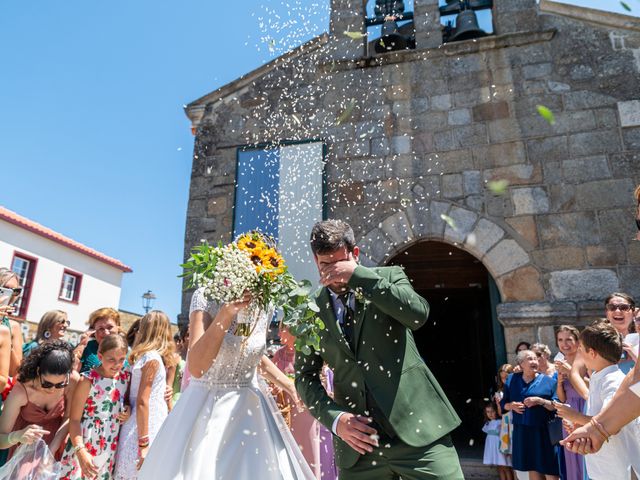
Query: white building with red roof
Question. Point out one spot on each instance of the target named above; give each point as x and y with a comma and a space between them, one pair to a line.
56, 272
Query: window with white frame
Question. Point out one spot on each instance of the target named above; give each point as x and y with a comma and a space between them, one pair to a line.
70, 286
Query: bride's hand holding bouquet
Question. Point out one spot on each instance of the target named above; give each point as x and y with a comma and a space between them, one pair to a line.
229, 310
252, 264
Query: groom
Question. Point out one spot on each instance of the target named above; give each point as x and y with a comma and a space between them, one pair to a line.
389, 415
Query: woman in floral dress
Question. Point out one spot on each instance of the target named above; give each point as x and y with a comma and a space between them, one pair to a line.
97, 411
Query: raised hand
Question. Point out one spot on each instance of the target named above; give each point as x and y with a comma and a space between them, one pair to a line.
356, 432
232, 308
631, 351
338, 272
563, 367
566, 412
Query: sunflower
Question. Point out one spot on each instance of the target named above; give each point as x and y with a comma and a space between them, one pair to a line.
249, 243
272, 262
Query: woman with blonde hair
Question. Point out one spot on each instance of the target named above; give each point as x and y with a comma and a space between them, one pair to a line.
102, 322
151, 355
10, 335
53, 326
9, 280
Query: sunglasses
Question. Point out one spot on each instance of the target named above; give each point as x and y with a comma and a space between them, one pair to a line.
48, 385
623, 307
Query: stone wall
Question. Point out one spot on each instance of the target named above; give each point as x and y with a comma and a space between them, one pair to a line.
430, 127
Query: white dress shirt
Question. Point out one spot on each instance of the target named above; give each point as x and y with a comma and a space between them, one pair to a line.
338, 308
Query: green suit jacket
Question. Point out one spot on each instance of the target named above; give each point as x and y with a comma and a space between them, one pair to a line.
385, 360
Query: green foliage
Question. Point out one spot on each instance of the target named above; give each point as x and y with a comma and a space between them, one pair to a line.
293, 297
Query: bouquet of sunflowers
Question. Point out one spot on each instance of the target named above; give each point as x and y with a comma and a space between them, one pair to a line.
252, 263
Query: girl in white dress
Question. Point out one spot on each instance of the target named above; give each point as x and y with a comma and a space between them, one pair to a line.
226, 425
492, 453
151, 354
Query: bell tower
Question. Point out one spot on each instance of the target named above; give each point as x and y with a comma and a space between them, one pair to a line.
351, 16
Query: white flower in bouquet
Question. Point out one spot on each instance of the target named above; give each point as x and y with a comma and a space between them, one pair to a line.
233, 274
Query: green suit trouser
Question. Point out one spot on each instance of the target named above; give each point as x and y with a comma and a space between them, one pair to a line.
394, 460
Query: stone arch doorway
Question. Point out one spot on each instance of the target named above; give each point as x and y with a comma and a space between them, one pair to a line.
462, 342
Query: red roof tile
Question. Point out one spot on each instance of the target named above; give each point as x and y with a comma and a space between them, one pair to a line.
22, 222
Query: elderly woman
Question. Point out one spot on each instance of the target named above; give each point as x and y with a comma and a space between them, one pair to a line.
53, 326
544, 354
529, 396
102, 322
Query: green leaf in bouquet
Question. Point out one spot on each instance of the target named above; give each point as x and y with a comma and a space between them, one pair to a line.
299, 292
313, 306
320, 324
306, 349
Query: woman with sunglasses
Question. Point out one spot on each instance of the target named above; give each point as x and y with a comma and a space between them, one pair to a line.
53, 326
37, 405
620, 309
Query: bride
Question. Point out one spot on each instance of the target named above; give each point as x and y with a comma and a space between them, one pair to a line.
226, 426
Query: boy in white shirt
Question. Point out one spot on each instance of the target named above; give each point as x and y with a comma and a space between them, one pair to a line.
601, 347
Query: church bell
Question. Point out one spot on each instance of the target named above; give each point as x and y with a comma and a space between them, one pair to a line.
467, 27
392, 38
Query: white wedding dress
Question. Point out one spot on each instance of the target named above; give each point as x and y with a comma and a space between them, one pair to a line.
226, 425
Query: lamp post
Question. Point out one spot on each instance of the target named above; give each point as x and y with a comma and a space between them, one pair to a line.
147, 300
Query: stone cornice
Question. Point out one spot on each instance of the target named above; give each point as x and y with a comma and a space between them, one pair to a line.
525, 314
465, 47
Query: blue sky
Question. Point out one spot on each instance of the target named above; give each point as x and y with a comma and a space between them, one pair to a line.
93, 139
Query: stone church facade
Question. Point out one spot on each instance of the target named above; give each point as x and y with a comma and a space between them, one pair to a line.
413, 138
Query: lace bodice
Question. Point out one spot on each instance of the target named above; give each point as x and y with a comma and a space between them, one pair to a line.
236, 362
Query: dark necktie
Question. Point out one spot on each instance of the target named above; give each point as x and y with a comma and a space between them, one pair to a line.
347, 319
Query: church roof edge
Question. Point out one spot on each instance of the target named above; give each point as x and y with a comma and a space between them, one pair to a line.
590, 15
195, 109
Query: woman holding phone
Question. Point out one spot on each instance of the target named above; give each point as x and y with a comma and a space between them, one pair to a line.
9, 281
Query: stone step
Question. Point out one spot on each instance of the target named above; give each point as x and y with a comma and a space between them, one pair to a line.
473, 469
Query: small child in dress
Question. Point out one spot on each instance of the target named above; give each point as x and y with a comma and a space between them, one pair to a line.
97, 411
492, 453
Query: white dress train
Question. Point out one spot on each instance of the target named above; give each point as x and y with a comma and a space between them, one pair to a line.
226, 425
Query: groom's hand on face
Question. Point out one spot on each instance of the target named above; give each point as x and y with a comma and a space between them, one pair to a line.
356, 432
338, 273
